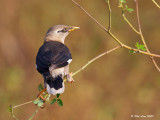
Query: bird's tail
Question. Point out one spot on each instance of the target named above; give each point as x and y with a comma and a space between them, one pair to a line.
55, 85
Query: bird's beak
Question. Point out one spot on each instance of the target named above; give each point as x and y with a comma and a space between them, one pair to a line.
73, 28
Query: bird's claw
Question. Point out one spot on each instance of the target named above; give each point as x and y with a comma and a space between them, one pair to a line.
69, 78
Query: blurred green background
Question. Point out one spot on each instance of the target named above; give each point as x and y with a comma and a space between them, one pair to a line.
114, 87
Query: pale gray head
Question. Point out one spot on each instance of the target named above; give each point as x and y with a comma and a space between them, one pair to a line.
59, 32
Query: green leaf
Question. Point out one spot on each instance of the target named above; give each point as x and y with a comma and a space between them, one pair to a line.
130, 10
59, 101
140, 47
132, 51
40, 87
36, 101
58, 95
40, 103
10, 108
53, 101
123, 1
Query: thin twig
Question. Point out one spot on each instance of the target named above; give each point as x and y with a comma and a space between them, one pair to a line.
34, 113
21, 104
139, 26
95, 58
90, 15
142, 38
82, 68
109, 9
130, 24
124, 17
140, 51
156, 3
11, 110
113, 36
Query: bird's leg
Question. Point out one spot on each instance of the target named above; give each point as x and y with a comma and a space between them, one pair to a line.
42, 91
69, 78
40, 95
68, 75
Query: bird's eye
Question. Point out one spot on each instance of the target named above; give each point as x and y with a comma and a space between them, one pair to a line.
63, 30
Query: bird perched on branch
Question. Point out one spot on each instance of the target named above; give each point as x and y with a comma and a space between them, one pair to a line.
53, 59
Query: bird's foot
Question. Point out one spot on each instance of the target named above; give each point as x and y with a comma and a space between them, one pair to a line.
40, 95
69, 78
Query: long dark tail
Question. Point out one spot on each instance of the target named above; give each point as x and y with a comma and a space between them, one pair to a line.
55, 85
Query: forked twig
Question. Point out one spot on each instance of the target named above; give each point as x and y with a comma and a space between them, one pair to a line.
113, 36
142, 37
79, 70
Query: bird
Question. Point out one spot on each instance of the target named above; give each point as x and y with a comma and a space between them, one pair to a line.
53, 59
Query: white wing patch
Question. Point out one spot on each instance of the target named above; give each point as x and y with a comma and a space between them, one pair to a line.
69, 61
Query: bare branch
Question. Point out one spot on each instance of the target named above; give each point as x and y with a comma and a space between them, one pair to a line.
142, 38
156, 3
119, 42
34, 113
113, 36
123, 15
109, 9
21, 104
97, 57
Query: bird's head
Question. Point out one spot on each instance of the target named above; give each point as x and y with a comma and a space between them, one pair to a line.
59, 32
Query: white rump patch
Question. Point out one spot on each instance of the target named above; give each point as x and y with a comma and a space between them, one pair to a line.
69, 61
54, 91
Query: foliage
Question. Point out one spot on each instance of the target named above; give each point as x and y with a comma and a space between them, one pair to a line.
140, 47
59, 101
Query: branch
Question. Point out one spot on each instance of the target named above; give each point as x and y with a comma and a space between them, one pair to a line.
119, 42
123, 15
155, 3
34, 113
142, 38
21, 104
92, 60
82, 68
113, 36
109, 8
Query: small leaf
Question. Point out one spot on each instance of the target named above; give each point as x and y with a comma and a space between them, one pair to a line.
123, 1
36, 101
140, 47
40, 87
59, 101
130, 10
40, 103
132, 51
53, 101
58, 95
126, 6
10, 108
